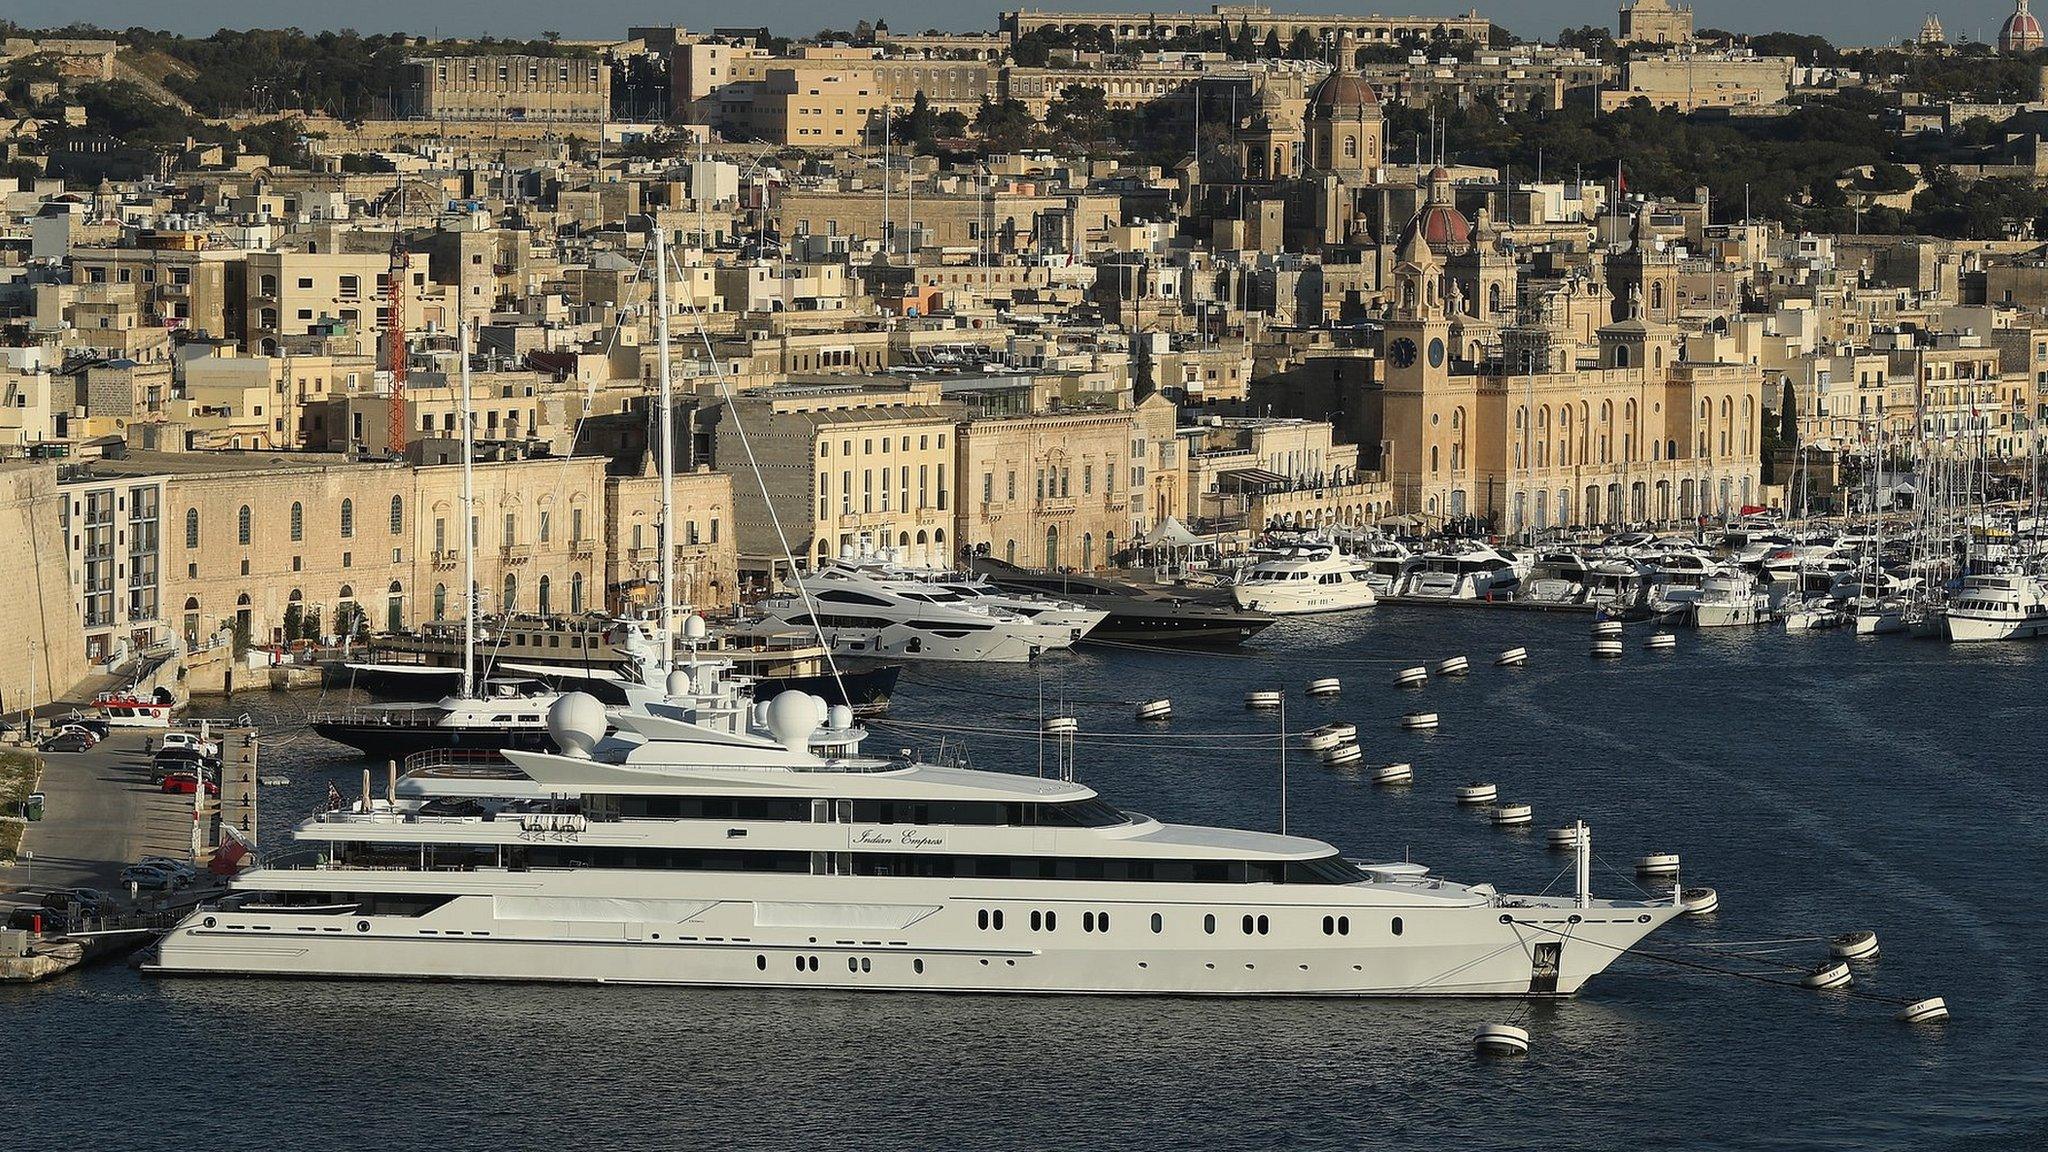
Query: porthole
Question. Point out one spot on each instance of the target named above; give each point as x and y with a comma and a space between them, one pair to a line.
761, 962
917, 966
984, 963
997, 919
1037, 921
1209, 924
1343, 925
1052, 921
852, 965
1262, 925
866, 965
1102, 921
1087, 921
981, 919
362, 925
1158, 922
1329, 926
210, 921
1247, 925
814, 963
1397, 925
799, 963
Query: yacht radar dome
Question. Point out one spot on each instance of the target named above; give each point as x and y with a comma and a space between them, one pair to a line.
839, 718
1929, 1011
1512, 658
792, 717
694, 628
1501, 1040
679, 684
1478, 794
1325, 686
1411, 677
577, 722
1858, 945
1455, 666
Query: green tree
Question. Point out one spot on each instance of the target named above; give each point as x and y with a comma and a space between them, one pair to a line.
1004, 126
1080, 112
1788, 417
1271, 50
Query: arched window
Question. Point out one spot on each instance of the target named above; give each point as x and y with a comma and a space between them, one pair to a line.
511, 600
242, 525
1656, 297
544, 594
1052, 547
576, 593
191, 527
440, 601
298, 521
1621, 355
348, 518
1350, 147
397, 515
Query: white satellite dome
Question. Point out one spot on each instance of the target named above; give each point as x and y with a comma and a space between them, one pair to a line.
693, 627
793, 716
679, 684
840, 718
577, 722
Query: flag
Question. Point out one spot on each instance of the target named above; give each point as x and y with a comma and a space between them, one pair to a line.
233, 847
1620, 180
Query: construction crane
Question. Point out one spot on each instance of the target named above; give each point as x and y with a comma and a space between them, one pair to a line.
394, 327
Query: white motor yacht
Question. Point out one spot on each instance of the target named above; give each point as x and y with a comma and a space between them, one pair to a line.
772, 854
1998, 606
1469, 571
1304, 579
859, 614
1730, 599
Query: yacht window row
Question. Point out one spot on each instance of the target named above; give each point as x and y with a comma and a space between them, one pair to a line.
1089, 813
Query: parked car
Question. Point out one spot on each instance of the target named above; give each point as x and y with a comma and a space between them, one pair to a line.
178, 760
67, 742
76, 902
52, 922
206, 748
184, 871
185, 783
150, 877
97, 725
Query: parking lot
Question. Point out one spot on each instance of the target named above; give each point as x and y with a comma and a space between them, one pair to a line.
101, 812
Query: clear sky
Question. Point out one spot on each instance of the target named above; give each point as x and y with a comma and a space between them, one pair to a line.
1844, 21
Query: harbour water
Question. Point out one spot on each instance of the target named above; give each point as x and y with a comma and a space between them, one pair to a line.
1820, 782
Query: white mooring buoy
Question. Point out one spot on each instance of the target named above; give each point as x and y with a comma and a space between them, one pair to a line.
1155, 710
1419, 721
1699, 901
1262, 698
1455, 666
1501, 1040
1512, 815
1394, 774
1512, 657
1929, 1011
1661, 642
1564, 839
1606, 649
1061, 725
1828, 974
1858, 945
1344, 754
1411, 677
1606, 629
1325, 686
1657, 864
1478, 794
1322, 739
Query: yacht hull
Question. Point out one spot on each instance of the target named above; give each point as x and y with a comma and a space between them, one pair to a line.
1276, 601
396, 742
1539, 950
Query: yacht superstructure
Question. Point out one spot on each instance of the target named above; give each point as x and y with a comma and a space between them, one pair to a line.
756, 847
861, 612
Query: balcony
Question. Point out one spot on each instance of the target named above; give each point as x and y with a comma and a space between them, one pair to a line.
516, 553
441, 558
582, 547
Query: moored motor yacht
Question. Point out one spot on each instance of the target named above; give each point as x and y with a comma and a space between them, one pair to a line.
1302, 579
1730, 599
1998, 606
862, 615
1468, 570
768, 852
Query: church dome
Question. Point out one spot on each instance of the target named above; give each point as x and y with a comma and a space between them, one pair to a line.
2021, 31
1440, 224
1342, 93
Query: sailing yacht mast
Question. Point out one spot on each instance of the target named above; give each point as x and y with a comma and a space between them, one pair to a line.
666, 409
462, 324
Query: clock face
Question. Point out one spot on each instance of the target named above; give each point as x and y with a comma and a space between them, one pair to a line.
1436, 353
1403, 352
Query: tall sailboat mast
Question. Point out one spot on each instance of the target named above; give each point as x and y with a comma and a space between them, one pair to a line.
665, 407
469, 605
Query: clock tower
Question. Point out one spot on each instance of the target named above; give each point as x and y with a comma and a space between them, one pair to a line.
1418, 329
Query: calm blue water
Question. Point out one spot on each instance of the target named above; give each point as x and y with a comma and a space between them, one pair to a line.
1820, 783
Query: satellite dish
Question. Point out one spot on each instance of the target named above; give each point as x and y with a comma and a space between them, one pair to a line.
792, 717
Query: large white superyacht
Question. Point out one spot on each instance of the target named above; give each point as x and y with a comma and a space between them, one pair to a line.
708, 843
